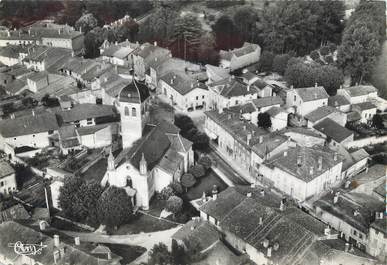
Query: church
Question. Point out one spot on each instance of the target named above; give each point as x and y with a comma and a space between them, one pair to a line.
153, 154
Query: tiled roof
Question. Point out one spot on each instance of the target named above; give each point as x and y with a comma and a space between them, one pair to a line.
267, 101
353, 116
182, 83
28, 124
85, 111
309, 157
312, 93
231, 87
274, 111
356, 91
320, 113
269, 143
16, 212
242, 109
364, 106
338, 100
333, 130
247, 48
171, 162
38, 76
5, 169
346, 206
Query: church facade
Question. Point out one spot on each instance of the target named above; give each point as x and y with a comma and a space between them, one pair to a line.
152, 155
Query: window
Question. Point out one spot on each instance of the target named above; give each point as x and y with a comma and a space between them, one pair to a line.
1, 183
197, 97
50, 131
134, 112
294, 99
33, 135
355, 232
360, 236
203, 96
126, 111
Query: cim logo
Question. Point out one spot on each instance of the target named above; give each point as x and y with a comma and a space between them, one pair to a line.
27, 249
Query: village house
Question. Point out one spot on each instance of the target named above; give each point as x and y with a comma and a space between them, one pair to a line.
146, 54
255, 221
350, 213
366, 110
72, 40
12, 54
324, 112
230, 92
43, 58
233, 137
239, 58
306, 100
358, 94
17, 37
7, 178
37, 81
377, 238
335, 133
304, 137
215, 73
303, 172
278, 117
182, 92
370, 179
353, 162
31, 130
339, 102
58, 249
118, 53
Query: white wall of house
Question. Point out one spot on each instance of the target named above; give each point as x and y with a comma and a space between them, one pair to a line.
217, 101
279, 121
38, 140
302, 108
367, 115
7, 184
98, 139
55, 187
305, 140
377, 244
9, 61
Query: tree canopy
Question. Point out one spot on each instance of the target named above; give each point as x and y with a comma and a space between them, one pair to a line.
264, 120
114, 207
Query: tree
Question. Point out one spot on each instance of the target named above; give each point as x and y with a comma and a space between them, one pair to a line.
265, 63
197, 171
264, 120
22, 174
245, 19
160, 255
201, 141
28, 102
86, 22
184, 122
114, 207
300, 74
358, 52
207, 53
324, 50
205, 161
314, 55
330, 77
280, 62
49, 101
8, 108
127, 31
70, 200
174, 204
226, 34
90, 194
91, 45
187, 180
377, 121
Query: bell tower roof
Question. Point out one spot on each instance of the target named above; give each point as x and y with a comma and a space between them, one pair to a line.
135, 92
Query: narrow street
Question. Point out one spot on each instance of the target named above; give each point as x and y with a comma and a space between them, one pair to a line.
226, 169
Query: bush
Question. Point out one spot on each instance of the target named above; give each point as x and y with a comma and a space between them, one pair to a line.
205, 161
174, 204
188, 180
314, 55
177, 188
197, 171
166, 193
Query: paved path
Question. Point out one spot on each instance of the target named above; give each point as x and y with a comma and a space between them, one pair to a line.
146, 240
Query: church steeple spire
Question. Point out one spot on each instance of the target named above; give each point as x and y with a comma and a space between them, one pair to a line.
111, 160
143, 165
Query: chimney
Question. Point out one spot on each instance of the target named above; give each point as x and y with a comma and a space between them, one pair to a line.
335, 156
77, 241
282, 205
269, 252
214, 192
56, 256
299, 160
262, 193
319, 163
311, 170
42, 225
346, 246
248, 88
220, 110
356, 213
248, 195
291, 87
260, 220
336, 198
327, 231
12, 115
315, 84
265, 243
204, 198
56, 241
109, 255
285, 153
155, 43
248, 138
260, 139
58, 31
192, 85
